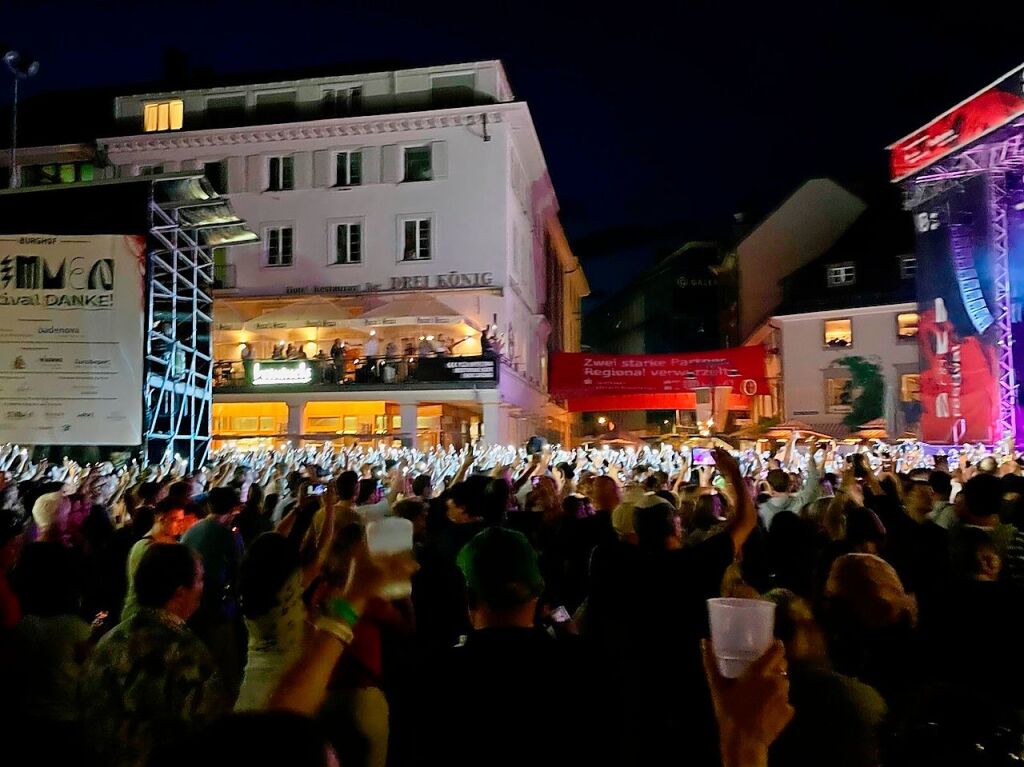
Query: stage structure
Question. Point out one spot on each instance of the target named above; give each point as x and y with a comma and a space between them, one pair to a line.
177, 220
962, 178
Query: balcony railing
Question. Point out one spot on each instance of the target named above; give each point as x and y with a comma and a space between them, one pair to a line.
366, 373
223, 276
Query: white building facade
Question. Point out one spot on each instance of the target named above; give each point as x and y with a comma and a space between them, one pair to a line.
394, 209
820, 355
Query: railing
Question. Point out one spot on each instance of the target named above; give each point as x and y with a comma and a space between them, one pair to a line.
238, 376
223, 276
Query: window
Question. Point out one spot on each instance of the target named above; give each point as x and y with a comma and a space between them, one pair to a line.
906, 326
348, 169
342, 101
839, 275
216, 174
908, 267
151, 170
281, 176
163, 115
416, 239
278, 242
417, 164
348, 243
224, 111
452, 90
910, 387
57, 173
278, 106
838, 395
839, 333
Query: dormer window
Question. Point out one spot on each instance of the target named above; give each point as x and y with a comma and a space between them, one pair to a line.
163, 115
841, 275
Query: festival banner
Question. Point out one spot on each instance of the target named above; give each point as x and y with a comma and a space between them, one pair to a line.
581, 375
71, 339
957, 332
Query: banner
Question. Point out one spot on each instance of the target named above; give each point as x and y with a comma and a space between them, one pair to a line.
71, 339
982, 113
598, 375
957, 333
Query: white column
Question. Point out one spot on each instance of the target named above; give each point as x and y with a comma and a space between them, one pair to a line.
295, 413
496, 431
408, 412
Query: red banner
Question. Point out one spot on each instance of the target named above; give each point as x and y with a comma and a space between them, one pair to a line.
596, 375
982, 113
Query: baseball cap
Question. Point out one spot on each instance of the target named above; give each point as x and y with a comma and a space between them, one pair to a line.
501, 568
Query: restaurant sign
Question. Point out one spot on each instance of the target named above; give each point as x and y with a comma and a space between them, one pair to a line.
446, 281
280, 373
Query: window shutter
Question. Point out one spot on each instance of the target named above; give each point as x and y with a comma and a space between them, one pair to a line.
390, 160
256, 173
371, 165
303, 170
439, 159
321, 169
236, 175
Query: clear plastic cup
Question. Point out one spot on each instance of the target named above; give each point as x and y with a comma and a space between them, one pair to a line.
387, 537
742, 630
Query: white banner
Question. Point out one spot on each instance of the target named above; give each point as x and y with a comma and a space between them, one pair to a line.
71, 339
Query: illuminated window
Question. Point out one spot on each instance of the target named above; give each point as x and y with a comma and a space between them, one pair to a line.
348, 169
416, 239
417, 164
838, 395
163, 115
910, 387
348, 243
906, 326
908, 267
278, 242
839, 333
839, 275
281, 175
57, 173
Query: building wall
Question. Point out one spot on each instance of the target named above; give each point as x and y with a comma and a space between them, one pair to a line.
807, 362
490, 202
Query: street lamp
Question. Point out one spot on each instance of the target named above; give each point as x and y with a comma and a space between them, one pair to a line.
20, 72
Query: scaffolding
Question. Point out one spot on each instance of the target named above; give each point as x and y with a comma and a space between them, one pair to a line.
188, 220
995, 157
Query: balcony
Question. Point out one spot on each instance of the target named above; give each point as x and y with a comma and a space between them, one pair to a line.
224, 276
373, 374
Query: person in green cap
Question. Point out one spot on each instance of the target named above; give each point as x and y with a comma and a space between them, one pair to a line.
510, 693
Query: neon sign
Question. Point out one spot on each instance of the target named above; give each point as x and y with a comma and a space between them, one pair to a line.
268, 374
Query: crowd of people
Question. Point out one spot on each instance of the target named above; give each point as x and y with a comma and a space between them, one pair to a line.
557, 611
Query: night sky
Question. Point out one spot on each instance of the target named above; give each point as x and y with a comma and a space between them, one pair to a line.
658, 123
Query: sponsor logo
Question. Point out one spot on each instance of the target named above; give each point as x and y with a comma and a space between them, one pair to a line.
19, 363
18, 414
51, 359
38, 273
86, 415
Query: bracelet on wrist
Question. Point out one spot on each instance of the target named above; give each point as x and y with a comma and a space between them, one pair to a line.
340, 608
336, 628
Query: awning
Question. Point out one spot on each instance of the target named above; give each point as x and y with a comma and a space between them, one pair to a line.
417, 311
227, 317
304, 313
